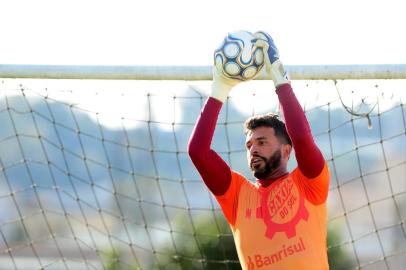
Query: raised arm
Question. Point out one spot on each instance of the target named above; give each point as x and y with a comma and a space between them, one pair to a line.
214, 171
309, 158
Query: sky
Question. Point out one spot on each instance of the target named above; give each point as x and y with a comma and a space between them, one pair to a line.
186, 32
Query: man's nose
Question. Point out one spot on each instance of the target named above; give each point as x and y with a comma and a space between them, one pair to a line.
253, 150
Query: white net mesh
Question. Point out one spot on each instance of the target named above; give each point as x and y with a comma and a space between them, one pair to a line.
95, 174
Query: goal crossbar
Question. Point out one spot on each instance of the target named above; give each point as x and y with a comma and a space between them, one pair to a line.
195, 73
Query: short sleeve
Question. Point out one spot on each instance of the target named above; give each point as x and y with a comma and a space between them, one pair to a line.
229, 200
315, 189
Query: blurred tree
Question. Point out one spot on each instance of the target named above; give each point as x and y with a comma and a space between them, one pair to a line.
338, 257
113, 261
214, 247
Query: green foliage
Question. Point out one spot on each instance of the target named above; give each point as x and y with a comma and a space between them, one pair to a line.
338, 257
113, 261
210, 247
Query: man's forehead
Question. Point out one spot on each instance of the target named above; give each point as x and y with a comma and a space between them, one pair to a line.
260, 132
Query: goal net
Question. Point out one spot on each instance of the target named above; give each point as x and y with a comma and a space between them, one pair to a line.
94, 174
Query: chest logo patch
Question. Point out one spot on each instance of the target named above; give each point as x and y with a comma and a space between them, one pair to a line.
281, 208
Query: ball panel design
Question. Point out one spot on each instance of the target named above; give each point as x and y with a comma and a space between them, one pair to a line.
238, 57
259, 56
232, 68
219, 61
249, 72
231, 50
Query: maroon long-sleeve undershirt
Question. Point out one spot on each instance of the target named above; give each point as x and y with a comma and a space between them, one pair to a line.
217, 174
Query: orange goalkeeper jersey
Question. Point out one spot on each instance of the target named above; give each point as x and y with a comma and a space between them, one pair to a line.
282, 226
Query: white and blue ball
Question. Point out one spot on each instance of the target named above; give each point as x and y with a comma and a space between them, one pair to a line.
238, 57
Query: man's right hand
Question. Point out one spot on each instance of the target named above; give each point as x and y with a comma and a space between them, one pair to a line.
221, 85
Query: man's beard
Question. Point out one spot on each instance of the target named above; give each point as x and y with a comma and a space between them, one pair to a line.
271, 164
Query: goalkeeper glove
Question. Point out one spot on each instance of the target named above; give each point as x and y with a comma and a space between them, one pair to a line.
221, 85
274, 66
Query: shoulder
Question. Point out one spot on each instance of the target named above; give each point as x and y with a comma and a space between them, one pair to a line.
323, 175
240, 180
315, 189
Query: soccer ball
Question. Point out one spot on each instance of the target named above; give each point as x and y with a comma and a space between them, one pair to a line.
238, 57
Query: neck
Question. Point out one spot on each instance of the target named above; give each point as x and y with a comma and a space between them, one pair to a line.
272, 177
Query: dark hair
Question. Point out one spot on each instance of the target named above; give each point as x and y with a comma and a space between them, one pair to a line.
268, 120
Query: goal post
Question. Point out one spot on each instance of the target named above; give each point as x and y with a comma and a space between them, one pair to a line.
94, 170
193, 73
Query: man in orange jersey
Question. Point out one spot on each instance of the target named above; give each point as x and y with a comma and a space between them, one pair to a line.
280, 221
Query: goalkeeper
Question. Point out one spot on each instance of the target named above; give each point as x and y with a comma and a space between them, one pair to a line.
280, 221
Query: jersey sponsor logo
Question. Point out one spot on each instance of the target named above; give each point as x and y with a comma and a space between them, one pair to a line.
257, 261
282, 207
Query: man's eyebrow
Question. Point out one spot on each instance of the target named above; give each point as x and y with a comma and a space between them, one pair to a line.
262, 138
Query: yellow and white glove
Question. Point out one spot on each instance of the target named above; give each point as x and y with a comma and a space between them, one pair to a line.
221, 85
273, 65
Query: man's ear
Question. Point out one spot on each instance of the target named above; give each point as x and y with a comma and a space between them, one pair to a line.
286, 150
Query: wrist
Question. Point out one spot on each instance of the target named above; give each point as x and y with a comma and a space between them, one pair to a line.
220, 90
278, 73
